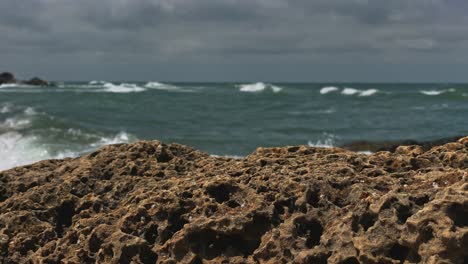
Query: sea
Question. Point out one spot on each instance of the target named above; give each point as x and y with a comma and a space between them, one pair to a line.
226, 119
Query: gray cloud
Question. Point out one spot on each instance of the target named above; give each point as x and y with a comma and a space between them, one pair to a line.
245, 37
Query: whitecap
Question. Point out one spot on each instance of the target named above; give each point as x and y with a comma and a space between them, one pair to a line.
121, 137
17, 150
122, 88
5, 109
7, 85
349, 91
431, 92
30, 111
329, 89
253, 87
259, 87
276, 89
165, 87
97, 82
326, 141
15, 123
368, 92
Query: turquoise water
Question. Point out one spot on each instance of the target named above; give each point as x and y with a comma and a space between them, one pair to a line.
221, 118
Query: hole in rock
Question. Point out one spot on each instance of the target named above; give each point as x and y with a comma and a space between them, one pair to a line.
403, 213
197, 260
233, 204
351, 260
312, 197
398, 252
367, 220
94, 243
64, 214
175, 223
427, 234
151, 234
459, 214
311, 230
222, 192
318, 259
420, 200
210, 244
145, 255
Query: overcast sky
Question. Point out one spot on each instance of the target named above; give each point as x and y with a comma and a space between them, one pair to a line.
236, 40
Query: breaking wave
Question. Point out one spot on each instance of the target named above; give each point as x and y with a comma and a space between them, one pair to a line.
329, 89
437, 92
24, 138
165, 87
123, 88
348, 91
327, 140
259, 87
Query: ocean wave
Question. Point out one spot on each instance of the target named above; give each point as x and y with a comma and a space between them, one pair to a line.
165, 87
368, 92
437, 92
329, 89
353, 91
4, 109
122, 88
121, 137
327, 140
97, 82
30, 111
15, 123
253, 87
17, 149
276, 89
9, 85
259, 87
349, 91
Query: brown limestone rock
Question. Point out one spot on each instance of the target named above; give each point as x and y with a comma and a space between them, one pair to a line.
149, 202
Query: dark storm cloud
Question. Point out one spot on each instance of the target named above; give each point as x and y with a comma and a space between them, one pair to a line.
223, 34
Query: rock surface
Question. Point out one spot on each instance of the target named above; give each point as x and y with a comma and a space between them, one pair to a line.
36, 81
6, 77
375, 146
9, 78
149, 202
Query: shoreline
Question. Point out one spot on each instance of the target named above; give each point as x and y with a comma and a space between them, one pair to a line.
149, 202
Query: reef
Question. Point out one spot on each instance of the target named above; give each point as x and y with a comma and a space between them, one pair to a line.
9, 78
150, 202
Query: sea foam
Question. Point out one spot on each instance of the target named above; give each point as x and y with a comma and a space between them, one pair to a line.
437, 92
123, 88
368, 92
349, 91
329, 89
165, 87
259, 87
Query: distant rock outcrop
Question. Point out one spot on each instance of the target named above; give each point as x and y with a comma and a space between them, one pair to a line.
36, 81
150, 202
9, 78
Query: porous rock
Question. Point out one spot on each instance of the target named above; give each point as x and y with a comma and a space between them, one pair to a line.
149, 202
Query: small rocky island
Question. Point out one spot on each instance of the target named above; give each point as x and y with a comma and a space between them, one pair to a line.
9, 78
149, 202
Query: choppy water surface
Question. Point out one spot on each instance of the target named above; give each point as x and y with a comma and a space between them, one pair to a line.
220, 118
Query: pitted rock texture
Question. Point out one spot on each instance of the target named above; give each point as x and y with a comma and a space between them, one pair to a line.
149, 202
